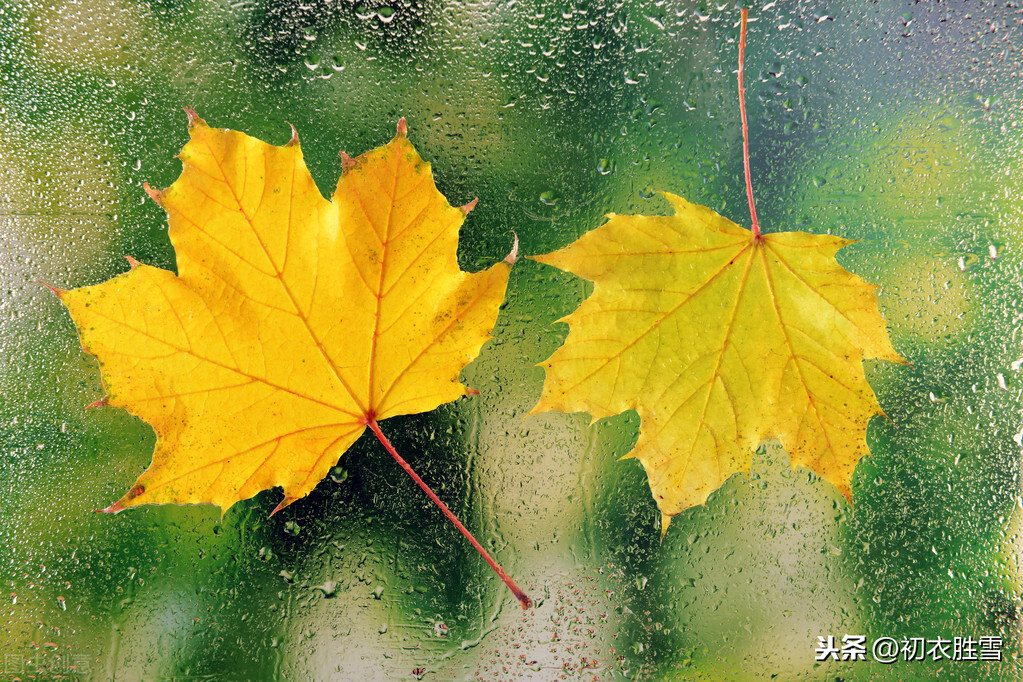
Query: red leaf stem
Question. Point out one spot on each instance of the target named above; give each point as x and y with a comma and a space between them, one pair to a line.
745, 128
516, 590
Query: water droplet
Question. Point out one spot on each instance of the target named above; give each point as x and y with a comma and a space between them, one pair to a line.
967, 261
329, 589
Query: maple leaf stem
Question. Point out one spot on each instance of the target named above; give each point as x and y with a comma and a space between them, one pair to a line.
745, 128
516, 590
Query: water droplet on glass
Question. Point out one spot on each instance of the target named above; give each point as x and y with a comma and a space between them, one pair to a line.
967, 261
329, 589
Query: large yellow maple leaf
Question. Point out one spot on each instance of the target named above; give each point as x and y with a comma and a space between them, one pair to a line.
719, 339
293, 323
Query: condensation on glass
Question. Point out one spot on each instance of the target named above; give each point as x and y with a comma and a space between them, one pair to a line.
891, 123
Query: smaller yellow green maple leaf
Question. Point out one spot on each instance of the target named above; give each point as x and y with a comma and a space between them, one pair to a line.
293, 323
719, 340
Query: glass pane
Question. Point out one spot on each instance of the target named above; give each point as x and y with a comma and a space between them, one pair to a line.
894, 124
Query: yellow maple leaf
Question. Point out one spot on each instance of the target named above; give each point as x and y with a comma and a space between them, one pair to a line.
719, 339
293, 323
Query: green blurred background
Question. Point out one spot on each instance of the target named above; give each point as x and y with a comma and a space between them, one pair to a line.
890, 122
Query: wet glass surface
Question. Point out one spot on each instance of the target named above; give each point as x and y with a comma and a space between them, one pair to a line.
892, 123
